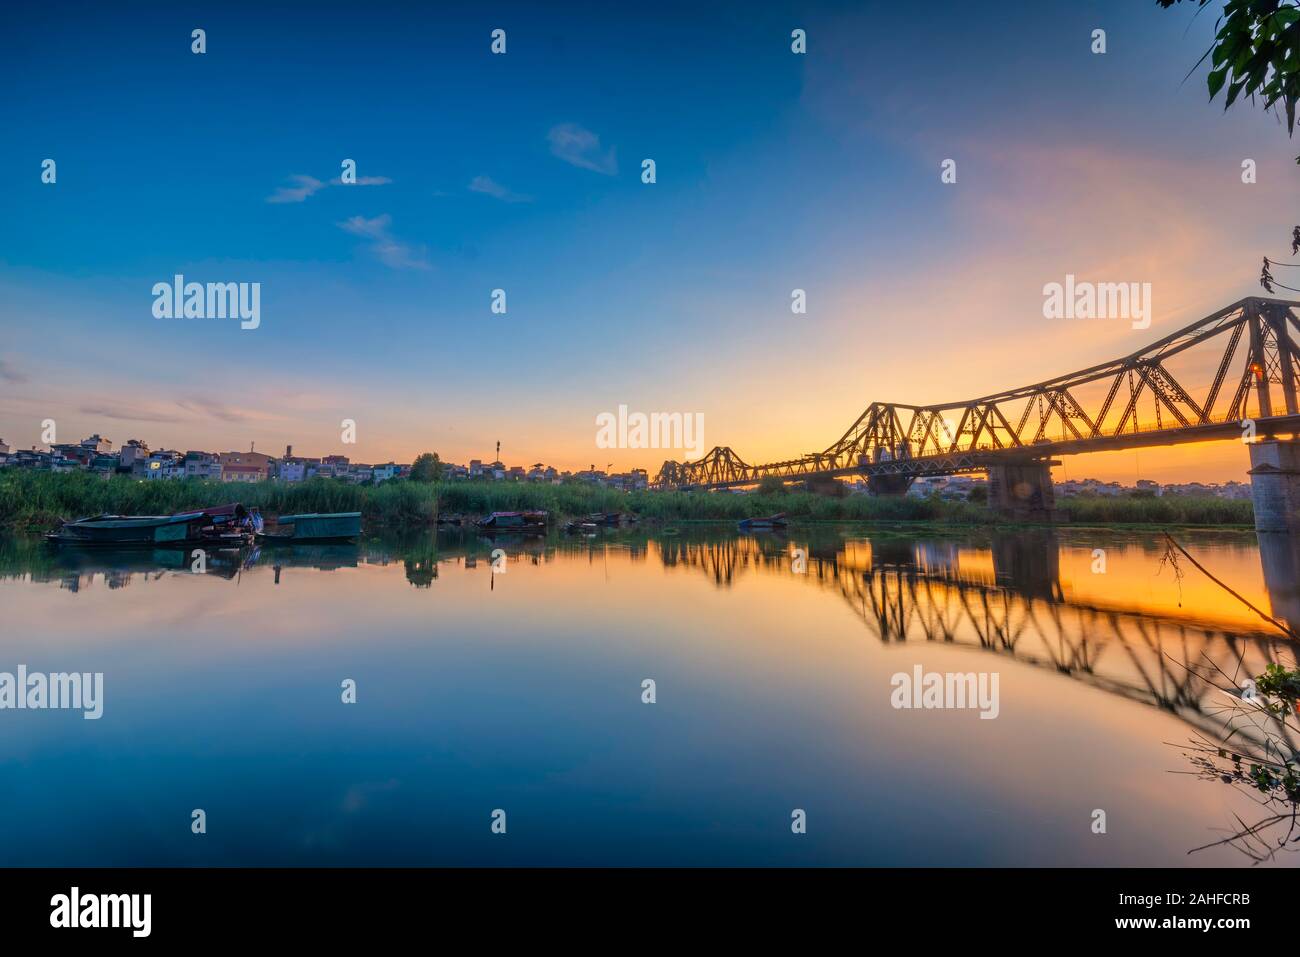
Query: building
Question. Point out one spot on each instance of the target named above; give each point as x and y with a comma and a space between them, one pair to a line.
105, 463
245, 466
332, 466
97, 444
32, 459
134, 451
67, 457
203, 465
4, 453
296, 468
163, 464
542, 473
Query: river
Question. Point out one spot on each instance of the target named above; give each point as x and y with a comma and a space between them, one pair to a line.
504, 713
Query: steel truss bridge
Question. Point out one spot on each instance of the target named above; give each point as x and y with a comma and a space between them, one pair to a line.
1249, 349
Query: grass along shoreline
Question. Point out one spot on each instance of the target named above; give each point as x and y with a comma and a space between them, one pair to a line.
35, 501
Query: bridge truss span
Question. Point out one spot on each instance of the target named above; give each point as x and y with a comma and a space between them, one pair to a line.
1199, 383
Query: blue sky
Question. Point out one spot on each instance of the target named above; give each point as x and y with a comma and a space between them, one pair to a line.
522, 172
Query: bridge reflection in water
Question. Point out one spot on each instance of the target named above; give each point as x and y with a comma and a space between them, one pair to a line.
1007, 597
1030, 595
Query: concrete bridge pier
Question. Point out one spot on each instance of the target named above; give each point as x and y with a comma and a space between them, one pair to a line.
1275, 485
1023, 491
889, 484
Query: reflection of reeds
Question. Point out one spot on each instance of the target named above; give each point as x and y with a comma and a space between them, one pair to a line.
1260, 735
1257, 754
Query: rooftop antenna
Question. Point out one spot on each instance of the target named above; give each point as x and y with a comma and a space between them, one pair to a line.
498, 450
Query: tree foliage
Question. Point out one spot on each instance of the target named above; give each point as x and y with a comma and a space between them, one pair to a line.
427, 467
1256, 53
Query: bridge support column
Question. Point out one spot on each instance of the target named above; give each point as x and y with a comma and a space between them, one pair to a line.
1023, 491
889, 484
1275, 485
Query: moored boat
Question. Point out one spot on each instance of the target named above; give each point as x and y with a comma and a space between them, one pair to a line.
225, 525
762, 524
534, 521
131, 530
314, 527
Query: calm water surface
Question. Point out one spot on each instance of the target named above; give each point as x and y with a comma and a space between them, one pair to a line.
521, 690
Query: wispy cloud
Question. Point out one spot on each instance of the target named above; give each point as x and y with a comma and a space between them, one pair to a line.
304, 186
383, 244
210, 408
363, 181
581, 147
10, 374
126, 413
490, 187
181, 410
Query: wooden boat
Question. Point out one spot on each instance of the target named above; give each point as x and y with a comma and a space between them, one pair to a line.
612, 519
762, 524
133, 530
514, 522
314, 527
221, 525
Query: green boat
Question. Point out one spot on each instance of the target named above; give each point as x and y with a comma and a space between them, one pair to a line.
219, 526
314, 527
133, 530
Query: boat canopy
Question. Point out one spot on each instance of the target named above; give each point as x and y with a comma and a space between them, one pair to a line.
234, 509
290, 519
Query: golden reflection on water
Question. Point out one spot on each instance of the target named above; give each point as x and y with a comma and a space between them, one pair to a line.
756, 635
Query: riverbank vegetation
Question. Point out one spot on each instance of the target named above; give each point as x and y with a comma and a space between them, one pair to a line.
38, 500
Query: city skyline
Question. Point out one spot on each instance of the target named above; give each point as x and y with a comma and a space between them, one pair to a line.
775, 172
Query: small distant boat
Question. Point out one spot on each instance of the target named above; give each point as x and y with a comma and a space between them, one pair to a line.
314, 527
762, 524
602, 520
514, 522
612, 519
